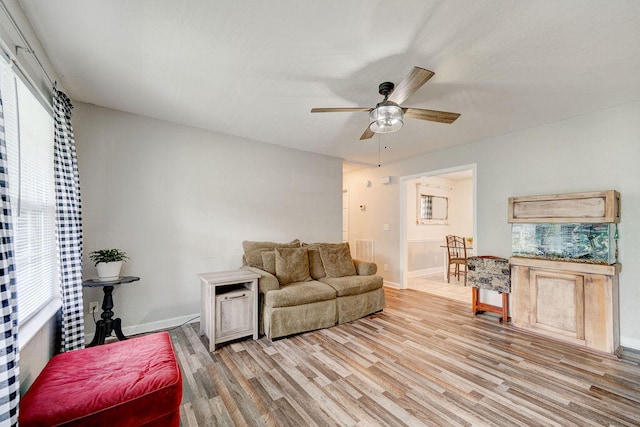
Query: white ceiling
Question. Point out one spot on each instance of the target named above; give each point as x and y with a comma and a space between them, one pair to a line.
255, 68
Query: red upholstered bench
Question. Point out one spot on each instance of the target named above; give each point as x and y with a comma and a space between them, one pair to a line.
136, 382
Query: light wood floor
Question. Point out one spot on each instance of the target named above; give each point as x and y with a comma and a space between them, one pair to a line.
424, 361
435, 284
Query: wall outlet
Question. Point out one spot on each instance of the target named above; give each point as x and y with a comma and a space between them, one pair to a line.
386, 267
93, 306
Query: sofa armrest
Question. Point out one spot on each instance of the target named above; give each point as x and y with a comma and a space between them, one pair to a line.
266, 282
365, 268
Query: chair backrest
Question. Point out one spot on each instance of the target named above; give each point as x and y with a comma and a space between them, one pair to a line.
456, 247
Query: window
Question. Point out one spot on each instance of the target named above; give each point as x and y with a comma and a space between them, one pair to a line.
29, 139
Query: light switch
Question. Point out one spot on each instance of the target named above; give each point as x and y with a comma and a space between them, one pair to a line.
385, 227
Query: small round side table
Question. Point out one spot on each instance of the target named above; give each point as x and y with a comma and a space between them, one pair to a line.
107, 324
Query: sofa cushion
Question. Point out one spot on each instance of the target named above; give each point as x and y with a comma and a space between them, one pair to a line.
353, 285
253, 250
316, 269
269, 261
337, 260
292, 265
299, 293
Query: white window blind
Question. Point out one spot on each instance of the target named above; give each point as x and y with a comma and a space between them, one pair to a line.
29, 139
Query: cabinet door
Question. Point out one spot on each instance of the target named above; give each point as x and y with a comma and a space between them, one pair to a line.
557, 304
234, 314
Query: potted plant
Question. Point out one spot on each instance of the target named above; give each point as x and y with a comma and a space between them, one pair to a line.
108, 262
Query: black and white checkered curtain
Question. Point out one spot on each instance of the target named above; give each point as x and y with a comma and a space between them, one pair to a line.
68, 224
9, 382
426, 207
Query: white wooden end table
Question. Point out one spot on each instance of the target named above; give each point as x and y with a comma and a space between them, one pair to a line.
228, 305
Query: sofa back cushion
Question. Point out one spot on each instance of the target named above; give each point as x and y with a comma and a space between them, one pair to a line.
253, 251
336, 259
316, 269
269, 261
292, 265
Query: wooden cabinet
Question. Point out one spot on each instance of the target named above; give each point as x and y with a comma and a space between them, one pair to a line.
573, 302
228, 305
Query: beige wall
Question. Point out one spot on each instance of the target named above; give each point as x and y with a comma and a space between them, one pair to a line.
597, 151
36, 353
425, 254
181, 200
460, 220
462, 208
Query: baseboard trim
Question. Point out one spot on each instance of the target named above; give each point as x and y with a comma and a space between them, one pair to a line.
152, 326
392, 284
425, 272
633, 343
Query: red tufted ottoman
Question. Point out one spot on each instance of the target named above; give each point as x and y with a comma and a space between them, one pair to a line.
136, 382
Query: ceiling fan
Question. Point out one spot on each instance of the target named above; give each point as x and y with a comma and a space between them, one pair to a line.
388, 116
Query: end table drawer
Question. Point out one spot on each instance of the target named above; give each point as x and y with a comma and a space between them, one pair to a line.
234, 313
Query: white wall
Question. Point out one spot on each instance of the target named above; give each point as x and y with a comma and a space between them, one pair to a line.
597, 151
181, 200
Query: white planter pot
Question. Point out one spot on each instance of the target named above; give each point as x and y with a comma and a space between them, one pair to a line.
108, 271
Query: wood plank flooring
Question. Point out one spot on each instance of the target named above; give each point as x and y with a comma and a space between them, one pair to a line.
425, 360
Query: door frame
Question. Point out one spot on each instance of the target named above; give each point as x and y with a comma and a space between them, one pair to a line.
404, 262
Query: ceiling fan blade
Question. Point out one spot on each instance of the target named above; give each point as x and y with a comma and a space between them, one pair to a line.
414, 81
341, 110
431, 115
367, 134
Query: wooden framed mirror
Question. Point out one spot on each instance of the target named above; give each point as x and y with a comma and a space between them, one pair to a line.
431, 209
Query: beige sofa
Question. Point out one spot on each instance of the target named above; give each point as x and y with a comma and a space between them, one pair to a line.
303, 287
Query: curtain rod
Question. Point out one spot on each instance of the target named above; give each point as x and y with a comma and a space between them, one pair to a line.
28, 47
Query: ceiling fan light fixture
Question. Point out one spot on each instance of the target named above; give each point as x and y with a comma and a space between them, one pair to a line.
386, 118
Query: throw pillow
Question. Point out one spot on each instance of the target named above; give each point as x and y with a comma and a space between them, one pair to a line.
337, 260
253, 250
316, 269
269, 261
292, 265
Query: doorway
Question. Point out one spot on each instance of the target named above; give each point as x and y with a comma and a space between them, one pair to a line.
424, 225
345, 214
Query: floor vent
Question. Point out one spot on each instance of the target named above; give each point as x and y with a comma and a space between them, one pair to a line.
365, 250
